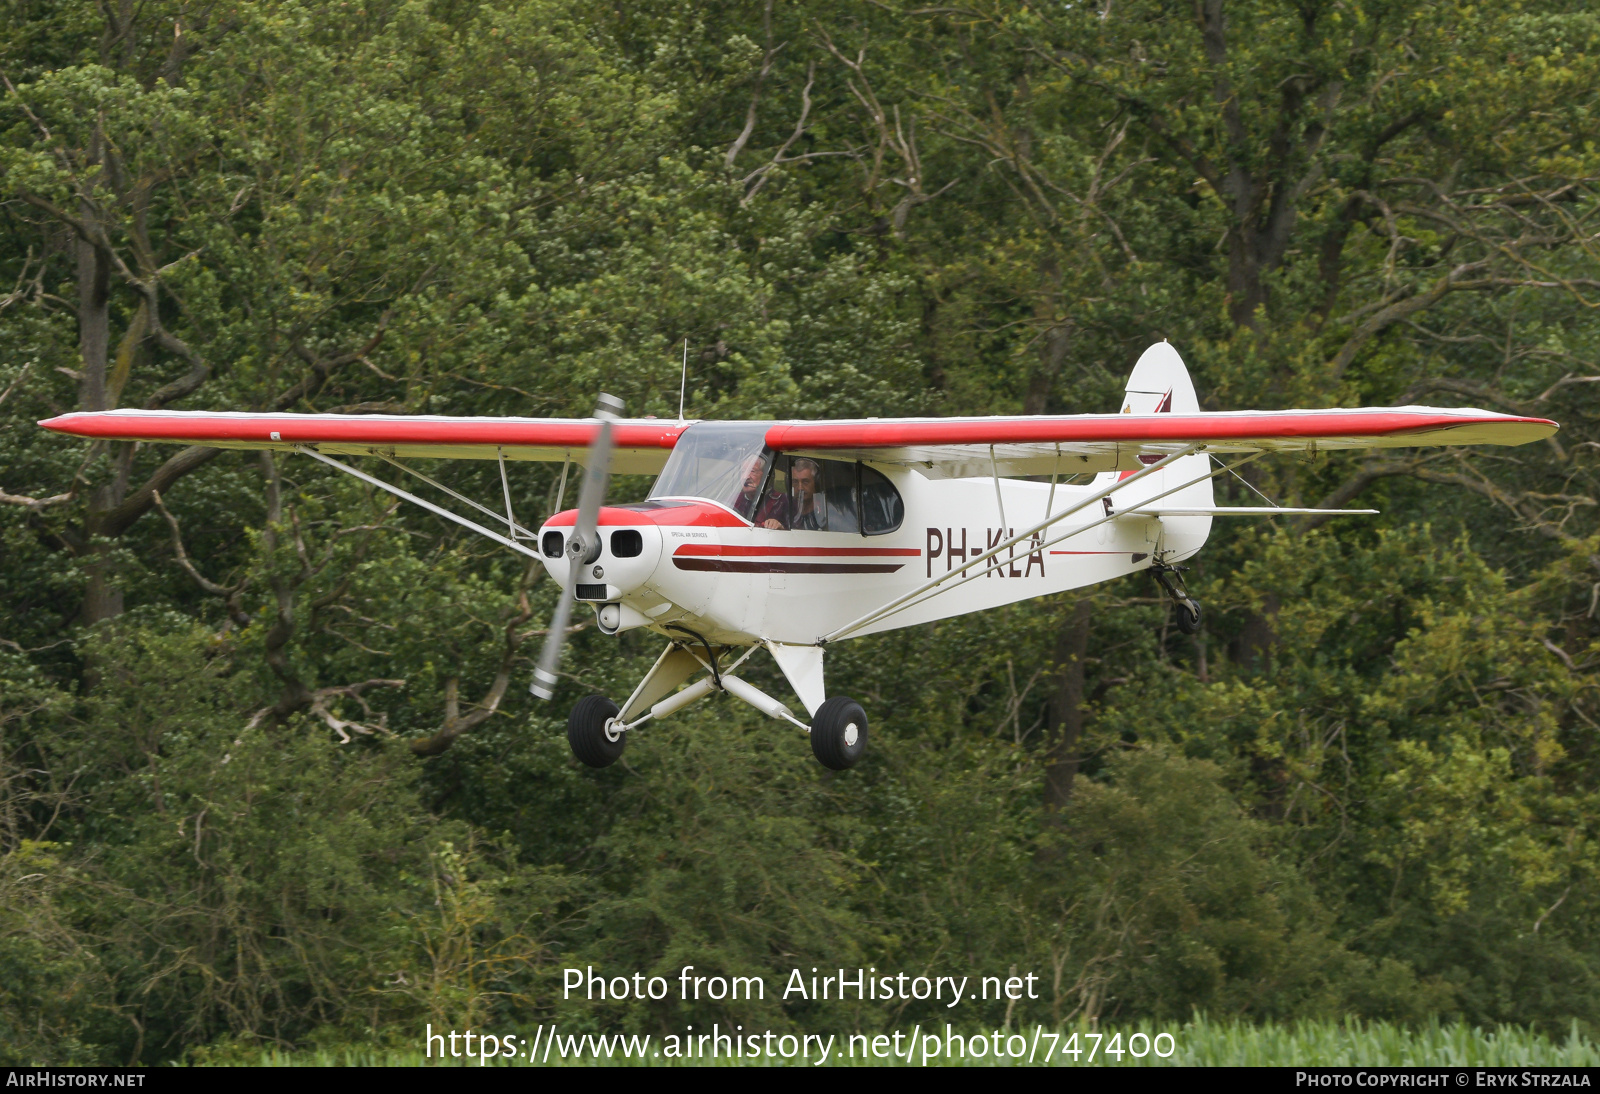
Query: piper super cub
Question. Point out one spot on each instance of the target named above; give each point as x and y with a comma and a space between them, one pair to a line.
789, 536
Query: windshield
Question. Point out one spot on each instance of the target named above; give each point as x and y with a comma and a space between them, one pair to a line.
722, 461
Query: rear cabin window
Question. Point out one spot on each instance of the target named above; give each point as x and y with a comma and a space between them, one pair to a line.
804, 494
881, 508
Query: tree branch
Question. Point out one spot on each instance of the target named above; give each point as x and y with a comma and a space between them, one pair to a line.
455, 724
1351, 488
318, 703
119, 519
755, 96
38, 503
230, 594
1386, 317
760, 174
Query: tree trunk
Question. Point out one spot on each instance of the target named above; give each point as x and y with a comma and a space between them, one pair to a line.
295, 695
1066, 713
94, 323
1052, 356
102, 598
1246, 292
1259, 636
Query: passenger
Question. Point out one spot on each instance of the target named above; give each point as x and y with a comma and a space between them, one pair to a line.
774, 509
806, 516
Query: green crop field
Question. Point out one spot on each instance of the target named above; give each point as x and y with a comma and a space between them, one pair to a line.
1198, 1043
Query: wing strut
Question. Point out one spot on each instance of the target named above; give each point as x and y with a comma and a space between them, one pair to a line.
1055, 473
428, 505
999, 501
928, 587
516, 529
505, 485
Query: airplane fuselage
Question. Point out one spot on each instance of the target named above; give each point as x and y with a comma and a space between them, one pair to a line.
699, 565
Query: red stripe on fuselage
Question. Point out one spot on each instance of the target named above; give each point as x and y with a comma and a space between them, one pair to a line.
716, 550
728, 566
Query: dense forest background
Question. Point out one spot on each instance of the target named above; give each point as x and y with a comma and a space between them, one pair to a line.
269, 773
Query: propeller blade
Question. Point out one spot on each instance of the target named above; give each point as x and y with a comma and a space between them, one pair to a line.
584, 545
544, 676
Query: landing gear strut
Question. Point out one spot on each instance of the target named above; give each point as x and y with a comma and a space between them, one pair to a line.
598, 730
1170, 578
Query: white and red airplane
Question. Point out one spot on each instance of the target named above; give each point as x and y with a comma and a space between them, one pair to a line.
789, 536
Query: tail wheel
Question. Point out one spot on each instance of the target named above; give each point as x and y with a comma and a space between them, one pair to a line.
589, 732
839, 733
1189, 616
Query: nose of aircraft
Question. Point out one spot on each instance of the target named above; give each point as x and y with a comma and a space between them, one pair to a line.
629, 550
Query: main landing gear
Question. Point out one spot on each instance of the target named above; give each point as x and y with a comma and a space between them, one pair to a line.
1170, 578
592, 734
597, 729
839, 733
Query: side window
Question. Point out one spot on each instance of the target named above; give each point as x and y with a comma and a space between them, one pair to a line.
837, 498
810, 495
882, 510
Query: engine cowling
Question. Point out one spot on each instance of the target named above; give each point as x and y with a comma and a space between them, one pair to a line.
630, 548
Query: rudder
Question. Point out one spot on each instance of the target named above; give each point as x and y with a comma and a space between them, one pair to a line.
1160, 384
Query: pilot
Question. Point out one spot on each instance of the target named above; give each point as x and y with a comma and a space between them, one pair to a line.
807, 517
774, 508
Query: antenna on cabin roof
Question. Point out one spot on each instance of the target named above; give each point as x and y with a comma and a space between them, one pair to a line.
683, 385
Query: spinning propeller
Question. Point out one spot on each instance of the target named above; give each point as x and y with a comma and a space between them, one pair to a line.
583, 546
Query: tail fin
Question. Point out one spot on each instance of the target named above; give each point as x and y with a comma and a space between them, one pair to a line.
1160, 384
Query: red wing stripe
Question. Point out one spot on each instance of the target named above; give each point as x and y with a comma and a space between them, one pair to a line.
730, 551
378, 430
1249, 425
382, 430
724, 566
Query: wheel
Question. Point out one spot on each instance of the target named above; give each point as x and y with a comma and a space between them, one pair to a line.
587, 732
839, 733
1189, 616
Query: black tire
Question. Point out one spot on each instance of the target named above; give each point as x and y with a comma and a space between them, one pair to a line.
839, 733
586, 732
1189, 616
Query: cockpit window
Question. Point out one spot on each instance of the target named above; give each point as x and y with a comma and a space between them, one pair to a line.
718, 461
729, 462
807, 494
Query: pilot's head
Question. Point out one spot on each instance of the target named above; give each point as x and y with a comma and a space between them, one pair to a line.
753, 476
805, 481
